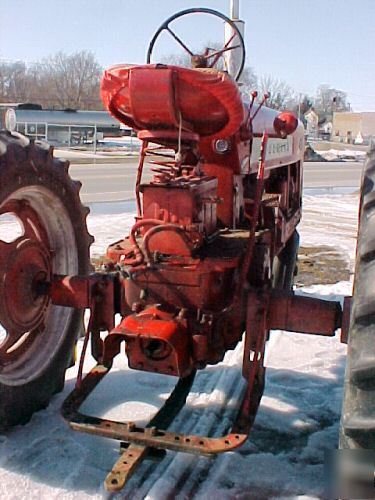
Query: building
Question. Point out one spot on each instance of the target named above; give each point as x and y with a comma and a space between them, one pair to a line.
62, 127
312, 122
325, 130
350, 127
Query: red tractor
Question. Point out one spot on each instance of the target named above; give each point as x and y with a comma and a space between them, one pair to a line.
209, 261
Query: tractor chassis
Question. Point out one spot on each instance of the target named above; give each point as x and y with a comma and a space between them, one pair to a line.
266, 310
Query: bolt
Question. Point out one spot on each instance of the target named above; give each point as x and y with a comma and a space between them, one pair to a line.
151, 431
137, 307
182, 313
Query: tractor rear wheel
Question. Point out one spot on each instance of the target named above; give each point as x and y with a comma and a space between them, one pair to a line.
358, 414
42, 232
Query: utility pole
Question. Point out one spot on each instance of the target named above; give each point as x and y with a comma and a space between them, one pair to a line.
299, 105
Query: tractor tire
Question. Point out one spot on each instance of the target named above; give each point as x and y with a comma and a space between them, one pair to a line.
284, 264
32, 179
357, 429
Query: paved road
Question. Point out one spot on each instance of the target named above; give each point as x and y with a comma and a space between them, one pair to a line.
332, 174
107, 181
115, 181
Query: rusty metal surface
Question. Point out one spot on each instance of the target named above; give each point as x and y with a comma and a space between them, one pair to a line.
298, 313
135, 453
155, 434
125, 467
151, 436
25, 265
346, 319
261, 316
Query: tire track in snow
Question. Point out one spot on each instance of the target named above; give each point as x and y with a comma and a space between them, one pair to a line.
215, 393
182, 473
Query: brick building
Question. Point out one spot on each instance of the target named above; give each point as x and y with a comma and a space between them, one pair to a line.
347, 126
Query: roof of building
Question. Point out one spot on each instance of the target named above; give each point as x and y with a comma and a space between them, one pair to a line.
68, 117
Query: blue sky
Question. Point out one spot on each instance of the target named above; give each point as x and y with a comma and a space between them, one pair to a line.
304, 42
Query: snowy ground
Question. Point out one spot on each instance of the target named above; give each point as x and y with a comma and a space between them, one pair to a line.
343, 154
107, 148
297, 420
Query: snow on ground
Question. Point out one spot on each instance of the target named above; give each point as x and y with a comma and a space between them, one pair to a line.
297, 420
331, 220
107, 148
343, 154
121, 142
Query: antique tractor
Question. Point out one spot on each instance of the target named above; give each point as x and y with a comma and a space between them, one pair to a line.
209, 261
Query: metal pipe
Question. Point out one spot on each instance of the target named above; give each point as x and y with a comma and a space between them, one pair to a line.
139, 177
163, 227
138, 254
232, 57
234, 9
95, 138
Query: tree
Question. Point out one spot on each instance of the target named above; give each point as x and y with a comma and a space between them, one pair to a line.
72, 81
60, 81
14, 84
306, 103
329, 100
182, 59
302, 104
248, 80
282, 96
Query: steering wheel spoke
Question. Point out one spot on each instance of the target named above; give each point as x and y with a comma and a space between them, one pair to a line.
178, 40
218, 54
225, 48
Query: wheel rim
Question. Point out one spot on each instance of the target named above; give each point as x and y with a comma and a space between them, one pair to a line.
47, 246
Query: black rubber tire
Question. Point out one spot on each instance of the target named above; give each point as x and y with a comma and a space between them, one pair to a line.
357, 430
284, 264
24, 163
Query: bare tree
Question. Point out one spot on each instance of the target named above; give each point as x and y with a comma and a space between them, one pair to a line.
282, 96
14, 82
328, 100
248, 80
306, 102
63, 81
72, 81
182, 59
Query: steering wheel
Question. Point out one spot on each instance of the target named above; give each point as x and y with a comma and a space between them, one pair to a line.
207, 59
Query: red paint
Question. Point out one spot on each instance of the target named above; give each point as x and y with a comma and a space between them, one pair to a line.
157, 341
154, 96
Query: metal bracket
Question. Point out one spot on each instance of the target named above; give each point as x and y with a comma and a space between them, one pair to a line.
155, 435
266, 309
